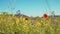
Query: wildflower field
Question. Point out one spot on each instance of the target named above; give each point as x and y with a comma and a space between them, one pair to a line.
12, 24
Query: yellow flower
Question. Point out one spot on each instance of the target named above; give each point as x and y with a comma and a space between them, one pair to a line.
12, 32
38, 24
18, 28
25, 28
38, 30
0, 30
17, 21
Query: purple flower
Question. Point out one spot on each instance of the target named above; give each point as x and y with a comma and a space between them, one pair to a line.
18, 13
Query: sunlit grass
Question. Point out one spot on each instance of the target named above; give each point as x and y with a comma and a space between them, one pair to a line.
10, 24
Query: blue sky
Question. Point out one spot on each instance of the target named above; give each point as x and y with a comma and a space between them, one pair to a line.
31, 7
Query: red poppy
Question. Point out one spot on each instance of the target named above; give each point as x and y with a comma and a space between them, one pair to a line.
26, 18
45, 15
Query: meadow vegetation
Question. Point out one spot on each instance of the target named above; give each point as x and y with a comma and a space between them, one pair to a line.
13, 24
